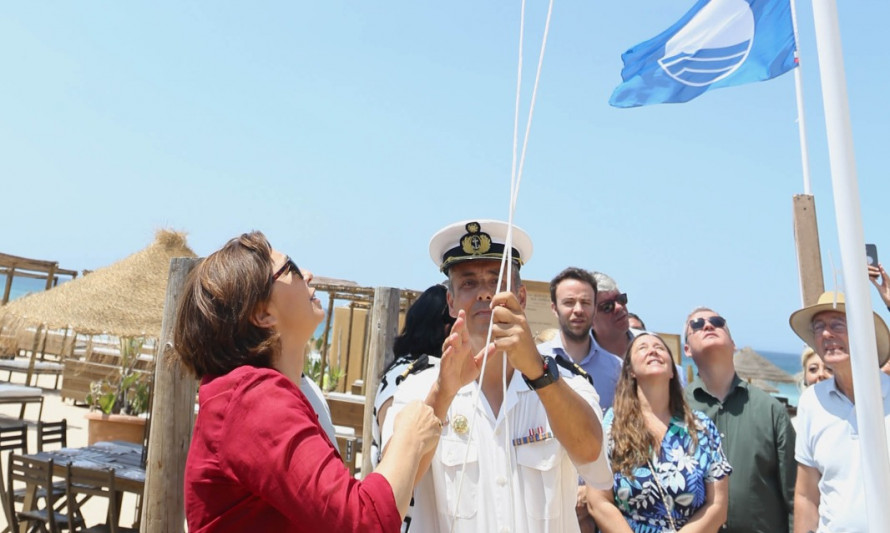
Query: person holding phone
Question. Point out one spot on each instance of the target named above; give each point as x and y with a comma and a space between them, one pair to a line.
878, 277
876, 272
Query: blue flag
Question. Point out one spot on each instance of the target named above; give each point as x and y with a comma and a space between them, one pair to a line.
718, 43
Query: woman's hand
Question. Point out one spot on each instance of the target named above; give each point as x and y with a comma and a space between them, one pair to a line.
418, 420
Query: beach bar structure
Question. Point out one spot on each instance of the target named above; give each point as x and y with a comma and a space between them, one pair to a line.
11, 266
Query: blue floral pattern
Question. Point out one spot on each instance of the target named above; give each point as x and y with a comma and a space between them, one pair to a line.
681, 473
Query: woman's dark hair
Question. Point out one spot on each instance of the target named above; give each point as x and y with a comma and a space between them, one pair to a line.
427, 323
214, 333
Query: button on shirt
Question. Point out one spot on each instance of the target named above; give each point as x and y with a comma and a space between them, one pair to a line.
758, 440
828, 440
604, 367
506, 486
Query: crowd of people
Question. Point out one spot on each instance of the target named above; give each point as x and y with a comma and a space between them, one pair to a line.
479, 426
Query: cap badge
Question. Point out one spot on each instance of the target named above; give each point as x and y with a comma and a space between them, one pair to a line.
475, 242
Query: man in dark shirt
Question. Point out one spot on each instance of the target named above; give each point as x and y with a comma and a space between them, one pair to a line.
758, 438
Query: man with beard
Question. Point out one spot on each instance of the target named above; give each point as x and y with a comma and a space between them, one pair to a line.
573, 301
830, 493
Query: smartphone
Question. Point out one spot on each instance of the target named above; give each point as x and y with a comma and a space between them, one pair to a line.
871, 254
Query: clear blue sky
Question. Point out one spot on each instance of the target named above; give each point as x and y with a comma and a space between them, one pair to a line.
350, 132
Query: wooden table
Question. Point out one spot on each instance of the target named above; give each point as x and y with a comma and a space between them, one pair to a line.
124, 457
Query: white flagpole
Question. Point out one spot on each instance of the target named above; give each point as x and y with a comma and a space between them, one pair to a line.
798, 89
875, 464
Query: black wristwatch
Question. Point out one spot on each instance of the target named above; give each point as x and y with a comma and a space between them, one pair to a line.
551, 375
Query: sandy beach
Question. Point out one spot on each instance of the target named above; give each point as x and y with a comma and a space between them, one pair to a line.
55, 409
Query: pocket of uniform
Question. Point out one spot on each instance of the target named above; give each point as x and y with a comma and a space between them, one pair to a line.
539, 472
452, 453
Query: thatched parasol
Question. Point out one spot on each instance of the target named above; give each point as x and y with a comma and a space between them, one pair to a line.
750, 365
124, 299
764, 386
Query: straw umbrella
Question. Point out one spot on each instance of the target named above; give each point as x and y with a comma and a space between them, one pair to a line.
124, 299
750, 365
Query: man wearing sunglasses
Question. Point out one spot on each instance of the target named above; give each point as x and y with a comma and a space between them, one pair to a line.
830, 494
611, 328
758, 438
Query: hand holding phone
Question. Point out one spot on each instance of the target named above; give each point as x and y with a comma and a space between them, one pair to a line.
871, 254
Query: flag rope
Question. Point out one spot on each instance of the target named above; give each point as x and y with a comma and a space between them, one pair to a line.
507, 258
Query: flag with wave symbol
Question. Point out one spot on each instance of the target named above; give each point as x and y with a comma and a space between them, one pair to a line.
718, 43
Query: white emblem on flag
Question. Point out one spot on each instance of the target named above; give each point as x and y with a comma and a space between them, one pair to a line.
712, 45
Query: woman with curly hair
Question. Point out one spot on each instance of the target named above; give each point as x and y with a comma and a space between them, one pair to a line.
670, 471
260, 459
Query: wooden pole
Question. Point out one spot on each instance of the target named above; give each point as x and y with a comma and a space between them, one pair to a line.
324, 347
9, 274
173, 410
50, 275
809, 255
384, 326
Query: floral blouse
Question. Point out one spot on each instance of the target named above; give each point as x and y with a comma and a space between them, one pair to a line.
681, 476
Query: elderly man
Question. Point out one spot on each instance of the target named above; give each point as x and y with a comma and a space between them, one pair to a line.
510, 455
573, 301
830, 495
611, 328
758, 438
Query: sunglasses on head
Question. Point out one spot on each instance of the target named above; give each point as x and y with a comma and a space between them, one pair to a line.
609, 306
288, 266
699, 323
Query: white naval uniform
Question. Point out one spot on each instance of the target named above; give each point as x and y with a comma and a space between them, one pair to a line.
535, 493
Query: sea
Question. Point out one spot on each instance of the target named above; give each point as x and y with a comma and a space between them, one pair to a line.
789, 362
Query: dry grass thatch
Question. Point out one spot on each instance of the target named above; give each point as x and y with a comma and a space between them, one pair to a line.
750, 365
124, 299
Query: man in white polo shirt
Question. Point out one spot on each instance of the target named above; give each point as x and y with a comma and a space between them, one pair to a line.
830, 495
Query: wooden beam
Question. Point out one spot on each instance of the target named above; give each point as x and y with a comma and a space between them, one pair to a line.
173, 413
809, 255
384, 326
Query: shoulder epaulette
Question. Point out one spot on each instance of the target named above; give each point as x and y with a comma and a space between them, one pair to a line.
421, 363
574, 368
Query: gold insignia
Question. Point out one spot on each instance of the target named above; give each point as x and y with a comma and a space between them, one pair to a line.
460, 424
475, 242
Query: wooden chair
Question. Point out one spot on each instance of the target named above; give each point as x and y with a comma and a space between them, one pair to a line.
93, 483
36, 476
13, 439
52, 433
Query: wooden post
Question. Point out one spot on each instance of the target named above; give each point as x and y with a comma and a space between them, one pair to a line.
384, 326
9, 274
50, 275
173, 412
324, 344
809, 255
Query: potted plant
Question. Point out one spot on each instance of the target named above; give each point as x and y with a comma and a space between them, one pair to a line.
118, 403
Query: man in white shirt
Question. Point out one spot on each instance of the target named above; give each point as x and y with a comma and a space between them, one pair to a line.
830, 495
510, 453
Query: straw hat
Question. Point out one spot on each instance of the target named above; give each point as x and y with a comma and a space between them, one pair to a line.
802, 319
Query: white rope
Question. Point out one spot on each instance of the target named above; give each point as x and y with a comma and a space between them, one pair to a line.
507, 262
